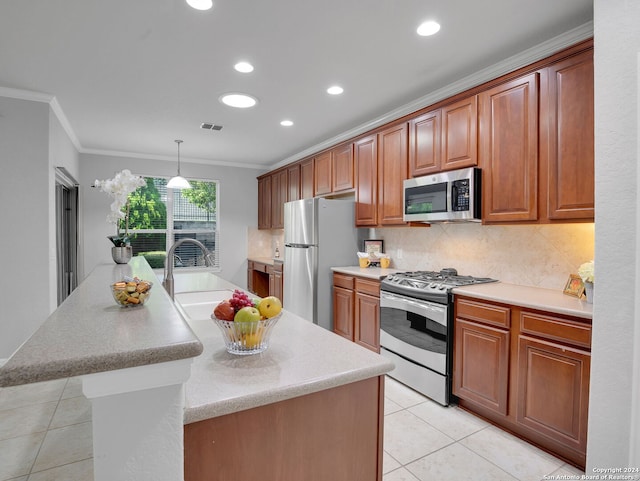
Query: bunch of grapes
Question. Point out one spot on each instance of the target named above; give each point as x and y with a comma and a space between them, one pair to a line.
240, 300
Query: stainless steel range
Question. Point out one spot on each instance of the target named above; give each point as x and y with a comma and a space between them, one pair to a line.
416, 328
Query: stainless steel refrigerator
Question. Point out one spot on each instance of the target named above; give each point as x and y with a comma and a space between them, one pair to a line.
318, 234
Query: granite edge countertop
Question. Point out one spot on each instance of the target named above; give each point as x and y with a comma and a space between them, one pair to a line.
539, 298
367, 272
302, 358
90, 333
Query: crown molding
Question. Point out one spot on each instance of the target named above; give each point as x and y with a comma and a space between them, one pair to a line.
527, 57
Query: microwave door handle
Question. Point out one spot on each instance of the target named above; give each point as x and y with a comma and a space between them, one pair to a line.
454, 197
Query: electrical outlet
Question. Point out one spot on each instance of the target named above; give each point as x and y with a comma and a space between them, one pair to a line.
399, 254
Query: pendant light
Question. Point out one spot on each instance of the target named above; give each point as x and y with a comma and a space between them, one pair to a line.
178, 182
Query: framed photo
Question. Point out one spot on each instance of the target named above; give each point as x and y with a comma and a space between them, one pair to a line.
373, 246
575, 286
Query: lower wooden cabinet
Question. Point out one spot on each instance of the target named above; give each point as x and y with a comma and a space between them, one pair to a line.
356, 310
265, 279
525, 370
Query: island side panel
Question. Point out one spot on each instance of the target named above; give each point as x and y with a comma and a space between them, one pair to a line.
334, 434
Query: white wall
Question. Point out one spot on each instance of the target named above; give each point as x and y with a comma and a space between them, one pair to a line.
31, 144
614, 407
238, 199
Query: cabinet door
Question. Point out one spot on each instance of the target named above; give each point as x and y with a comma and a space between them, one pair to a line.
553, 391
460, 134
293, 182
264, 203
250, 276
343, 310
509, 151
481, 365
279, 189
306, 179
366, 159
322, 177
425, 134
392, 171
367, 322
569, 142
342, 168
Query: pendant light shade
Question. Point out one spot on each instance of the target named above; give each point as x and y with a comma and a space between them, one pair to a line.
178, 182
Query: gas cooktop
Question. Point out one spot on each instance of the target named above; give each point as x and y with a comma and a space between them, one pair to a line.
430, 285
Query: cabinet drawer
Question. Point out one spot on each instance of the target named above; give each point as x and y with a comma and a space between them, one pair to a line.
563, 330
340, 280
480, 311
367, 286
260, 267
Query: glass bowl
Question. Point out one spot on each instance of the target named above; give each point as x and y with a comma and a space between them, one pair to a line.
245, 338
131, 293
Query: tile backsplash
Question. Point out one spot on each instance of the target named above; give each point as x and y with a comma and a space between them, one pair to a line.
532, 255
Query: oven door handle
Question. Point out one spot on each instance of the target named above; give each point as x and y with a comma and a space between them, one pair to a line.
430, 310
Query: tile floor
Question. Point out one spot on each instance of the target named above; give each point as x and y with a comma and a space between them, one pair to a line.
45, 435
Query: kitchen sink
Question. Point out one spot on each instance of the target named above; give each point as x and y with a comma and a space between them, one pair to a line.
199, 305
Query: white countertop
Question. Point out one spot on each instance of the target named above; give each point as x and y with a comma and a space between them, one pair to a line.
369, 272
302, 358
552, 300
90, 333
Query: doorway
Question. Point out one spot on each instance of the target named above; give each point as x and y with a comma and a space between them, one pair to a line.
66, 233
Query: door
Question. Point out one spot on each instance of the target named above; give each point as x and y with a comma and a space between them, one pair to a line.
66, 233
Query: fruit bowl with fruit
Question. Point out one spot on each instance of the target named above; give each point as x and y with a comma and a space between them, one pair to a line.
246, 324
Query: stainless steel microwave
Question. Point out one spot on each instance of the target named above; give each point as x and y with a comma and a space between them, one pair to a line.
452, 196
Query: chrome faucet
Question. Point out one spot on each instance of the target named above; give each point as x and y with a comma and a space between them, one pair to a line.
167, 282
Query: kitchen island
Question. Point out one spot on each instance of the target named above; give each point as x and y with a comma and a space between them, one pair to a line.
309, 407
168, 401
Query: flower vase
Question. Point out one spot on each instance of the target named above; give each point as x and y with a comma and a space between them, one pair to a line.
121, 255
588, 290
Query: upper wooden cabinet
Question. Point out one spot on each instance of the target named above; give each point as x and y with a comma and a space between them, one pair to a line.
392, 171
334, 170
279, 191
567, 138
425, 133
264, 202
306, 179
460, 134
293, 182
366, 157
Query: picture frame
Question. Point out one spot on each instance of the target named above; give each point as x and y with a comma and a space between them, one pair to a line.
574, 286
373, 246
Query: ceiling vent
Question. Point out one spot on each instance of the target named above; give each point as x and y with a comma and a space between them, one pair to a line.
208, 126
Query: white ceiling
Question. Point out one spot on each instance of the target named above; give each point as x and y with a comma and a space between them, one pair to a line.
133, 75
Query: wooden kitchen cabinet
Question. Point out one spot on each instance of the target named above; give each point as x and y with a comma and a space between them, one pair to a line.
460, 134
481, 354
392, 171
265, 279
525, 370
366, 157
264, 202
567, 139
293, 182
381, 168
509, 150
306, 179
276, 281
425, 133
279, 191
356, 310
334, 170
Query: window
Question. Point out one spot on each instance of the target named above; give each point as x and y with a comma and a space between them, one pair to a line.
160, 216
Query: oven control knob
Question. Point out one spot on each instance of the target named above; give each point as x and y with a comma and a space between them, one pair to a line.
441, 287
433, 285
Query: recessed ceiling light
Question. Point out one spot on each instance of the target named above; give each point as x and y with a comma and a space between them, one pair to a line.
244, 67
241, 101
428, 28
200, 4
286, 123
335, 90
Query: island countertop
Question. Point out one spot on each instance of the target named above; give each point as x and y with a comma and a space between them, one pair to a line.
302, 358
90, 333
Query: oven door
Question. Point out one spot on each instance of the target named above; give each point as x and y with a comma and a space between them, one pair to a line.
415, 330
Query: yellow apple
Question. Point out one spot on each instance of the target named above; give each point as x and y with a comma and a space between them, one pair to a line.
270, 306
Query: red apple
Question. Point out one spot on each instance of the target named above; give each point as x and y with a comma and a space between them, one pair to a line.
224, 311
